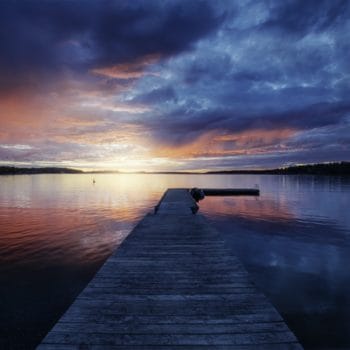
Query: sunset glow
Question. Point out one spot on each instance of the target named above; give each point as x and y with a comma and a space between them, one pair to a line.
174, 86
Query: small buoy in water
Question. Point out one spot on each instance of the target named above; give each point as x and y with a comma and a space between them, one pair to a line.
93, 181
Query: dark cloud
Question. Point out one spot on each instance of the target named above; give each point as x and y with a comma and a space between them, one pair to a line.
184, 126
300, 16
125, 32
40, 39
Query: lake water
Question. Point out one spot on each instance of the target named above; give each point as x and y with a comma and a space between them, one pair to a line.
57, 230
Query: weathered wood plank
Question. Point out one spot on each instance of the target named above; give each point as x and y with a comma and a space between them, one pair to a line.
173, 308
174, 328
183, 273
171, 339
83, 346
270, 315
106, 289
178, 299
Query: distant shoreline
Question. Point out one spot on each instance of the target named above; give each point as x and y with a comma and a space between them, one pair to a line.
330, 169
9, 170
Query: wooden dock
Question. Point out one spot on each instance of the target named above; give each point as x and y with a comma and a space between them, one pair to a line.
172, 284
231, 191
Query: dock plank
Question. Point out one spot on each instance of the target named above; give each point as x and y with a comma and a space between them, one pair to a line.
171, 284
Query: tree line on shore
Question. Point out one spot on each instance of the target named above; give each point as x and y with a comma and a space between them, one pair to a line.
333, 169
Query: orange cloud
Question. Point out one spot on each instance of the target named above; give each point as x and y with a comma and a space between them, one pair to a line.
257, 136
127, 134
218, 144
23, 117
32, 117
131, 70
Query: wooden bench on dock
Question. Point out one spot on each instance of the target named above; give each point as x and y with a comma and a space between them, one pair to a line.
172, 284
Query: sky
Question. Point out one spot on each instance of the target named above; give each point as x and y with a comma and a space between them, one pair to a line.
160, 85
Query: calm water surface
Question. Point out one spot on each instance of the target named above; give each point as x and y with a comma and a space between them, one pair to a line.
57, 230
